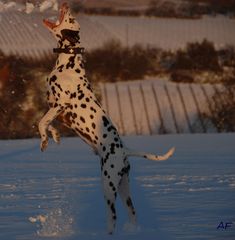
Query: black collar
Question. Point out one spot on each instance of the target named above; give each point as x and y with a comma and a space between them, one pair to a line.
69, 50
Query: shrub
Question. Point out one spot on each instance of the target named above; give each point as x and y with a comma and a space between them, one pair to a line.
197, 56
22, 97
113, 62
182, 76
227, 56
77, 7
12, 97
223, 109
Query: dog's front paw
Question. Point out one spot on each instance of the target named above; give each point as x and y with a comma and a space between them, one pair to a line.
44, 144
55, 134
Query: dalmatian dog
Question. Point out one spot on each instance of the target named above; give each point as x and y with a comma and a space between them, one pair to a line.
72, 102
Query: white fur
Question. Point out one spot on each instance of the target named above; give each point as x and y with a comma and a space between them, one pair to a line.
73, 102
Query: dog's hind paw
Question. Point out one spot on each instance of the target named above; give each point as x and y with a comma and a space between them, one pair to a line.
131, 228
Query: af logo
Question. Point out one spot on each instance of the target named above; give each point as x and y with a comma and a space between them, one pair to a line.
224, 225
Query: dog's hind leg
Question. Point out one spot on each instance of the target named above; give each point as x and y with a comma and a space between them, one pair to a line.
111, 213
124, 192
110, 187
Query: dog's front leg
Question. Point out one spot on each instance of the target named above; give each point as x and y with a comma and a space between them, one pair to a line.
44, 123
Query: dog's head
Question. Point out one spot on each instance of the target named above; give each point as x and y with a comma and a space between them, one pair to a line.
66, 29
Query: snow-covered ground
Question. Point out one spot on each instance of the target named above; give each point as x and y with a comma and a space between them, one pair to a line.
24, 34
168, 34
185, 197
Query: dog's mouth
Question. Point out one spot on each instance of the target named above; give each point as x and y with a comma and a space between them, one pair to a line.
63, 10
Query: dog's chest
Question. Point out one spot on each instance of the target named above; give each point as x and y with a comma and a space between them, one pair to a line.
82, 112
67, 86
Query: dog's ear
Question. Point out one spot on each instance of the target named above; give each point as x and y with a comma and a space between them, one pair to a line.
70, 35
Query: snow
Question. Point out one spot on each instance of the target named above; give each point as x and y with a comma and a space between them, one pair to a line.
7, 6
58, 193
29, 7
152, 106
42, 7
167, 33
152, 113
47, 4
126, 107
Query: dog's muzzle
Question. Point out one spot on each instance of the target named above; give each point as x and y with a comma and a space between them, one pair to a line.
69, 50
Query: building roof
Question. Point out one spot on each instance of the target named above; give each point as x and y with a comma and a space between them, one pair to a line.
154, 106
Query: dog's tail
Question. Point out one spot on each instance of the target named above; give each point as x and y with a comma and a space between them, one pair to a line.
150, 156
